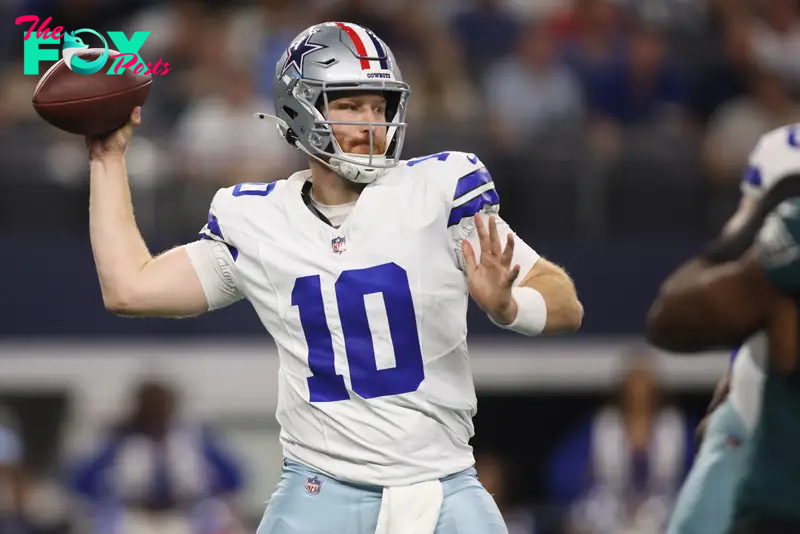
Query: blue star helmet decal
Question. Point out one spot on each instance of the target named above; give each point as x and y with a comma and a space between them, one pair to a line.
298, 53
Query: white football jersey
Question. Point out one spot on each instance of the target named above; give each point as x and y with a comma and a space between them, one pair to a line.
776, 155
375, 385
747, 378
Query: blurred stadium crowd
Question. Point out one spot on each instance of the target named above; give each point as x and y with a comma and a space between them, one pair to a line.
580, 108
595, 462
600, 120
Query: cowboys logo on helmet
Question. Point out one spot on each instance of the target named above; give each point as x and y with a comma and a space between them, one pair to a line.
323, 63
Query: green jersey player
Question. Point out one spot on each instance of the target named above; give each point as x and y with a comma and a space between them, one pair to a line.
768, 496
746, 283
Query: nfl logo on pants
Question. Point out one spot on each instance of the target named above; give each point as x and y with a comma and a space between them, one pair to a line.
313, 485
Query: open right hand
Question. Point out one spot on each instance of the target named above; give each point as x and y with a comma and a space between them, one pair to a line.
114, 143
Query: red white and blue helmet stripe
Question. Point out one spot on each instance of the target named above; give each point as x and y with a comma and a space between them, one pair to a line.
368, 47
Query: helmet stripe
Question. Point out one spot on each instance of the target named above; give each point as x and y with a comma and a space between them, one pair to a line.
379, 49
369, 45
357, 42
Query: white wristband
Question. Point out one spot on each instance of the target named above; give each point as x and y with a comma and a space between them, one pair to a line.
531, 312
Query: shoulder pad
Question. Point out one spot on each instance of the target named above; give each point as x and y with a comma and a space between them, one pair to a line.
226, 206
448, 168
464, 181
776, 155
252, 189
234, 195
449, 161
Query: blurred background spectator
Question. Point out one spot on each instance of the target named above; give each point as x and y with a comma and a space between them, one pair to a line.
617, 132
13, 483
493, 472
621, 470
156, 471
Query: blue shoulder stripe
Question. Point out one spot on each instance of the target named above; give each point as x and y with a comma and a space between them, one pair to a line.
472, 181
752, 176
487, 198
734, 354
213, 232
213, 226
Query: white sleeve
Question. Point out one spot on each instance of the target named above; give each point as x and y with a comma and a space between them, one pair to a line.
775, 156
215, 267
524, 255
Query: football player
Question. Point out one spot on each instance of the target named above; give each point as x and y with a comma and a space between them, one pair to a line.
360, 268
736, 294
706, 498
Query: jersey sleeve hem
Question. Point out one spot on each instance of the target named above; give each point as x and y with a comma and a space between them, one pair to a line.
215, 269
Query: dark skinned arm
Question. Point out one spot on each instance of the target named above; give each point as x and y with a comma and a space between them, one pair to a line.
720, 298
702, 307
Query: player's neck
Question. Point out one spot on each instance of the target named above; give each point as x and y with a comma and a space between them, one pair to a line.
330, 189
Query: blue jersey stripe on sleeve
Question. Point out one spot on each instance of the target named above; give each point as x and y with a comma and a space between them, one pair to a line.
471, 182
734, 354
752, 176
488, 198
213, 226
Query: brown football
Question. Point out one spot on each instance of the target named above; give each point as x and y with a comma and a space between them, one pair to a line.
90, 104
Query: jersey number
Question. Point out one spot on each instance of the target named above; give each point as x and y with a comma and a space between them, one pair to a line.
439, 156
366, 379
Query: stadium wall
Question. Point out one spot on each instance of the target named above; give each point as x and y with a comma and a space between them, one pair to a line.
221, 379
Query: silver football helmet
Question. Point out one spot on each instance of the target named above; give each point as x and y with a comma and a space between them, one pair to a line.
332, 59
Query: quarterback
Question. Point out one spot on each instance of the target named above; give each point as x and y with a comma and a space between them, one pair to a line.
742, 291
360, 268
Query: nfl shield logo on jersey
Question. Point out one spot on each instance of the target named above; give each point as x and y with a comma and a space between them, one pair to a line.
313, 485
339, 244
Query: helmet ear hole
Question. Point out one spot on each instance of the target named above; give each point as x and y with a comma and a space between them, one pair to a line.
289, 135
290, 112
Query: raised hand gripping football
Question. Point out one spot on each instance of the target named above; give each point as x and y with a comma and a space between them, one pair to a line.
491, 279
115, 142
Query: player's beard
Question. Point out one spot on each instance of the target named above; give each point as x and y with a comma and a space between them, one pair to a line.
362, 147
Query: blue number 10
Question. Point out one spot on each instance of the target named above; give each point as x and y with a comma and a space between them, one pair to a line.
366, 379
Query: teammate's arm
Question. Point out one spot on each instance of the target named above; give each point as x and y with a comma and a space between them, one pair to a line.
133, 282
